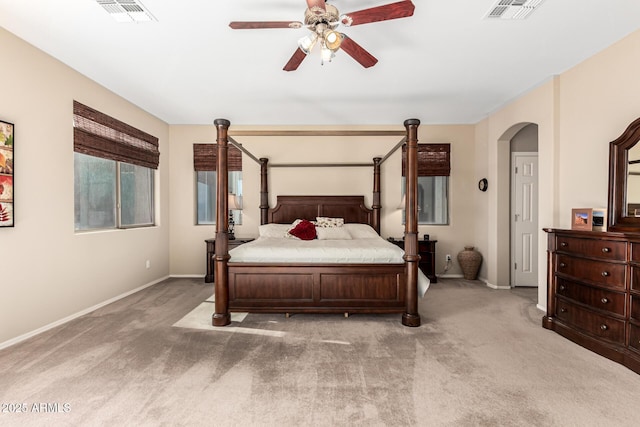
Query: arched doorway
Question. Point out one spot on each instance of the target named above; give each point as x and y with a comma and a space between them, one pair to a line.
518, 156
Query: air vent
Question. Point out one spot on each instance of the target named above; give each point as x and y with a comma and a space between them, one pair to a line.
126, 10
513, 9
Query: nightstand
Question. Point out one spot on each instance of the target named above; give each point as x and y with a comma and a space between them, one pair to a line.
211, 251
427, 252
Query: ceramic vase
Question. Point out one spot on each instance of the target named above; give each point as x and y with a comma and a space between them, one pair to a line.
469, 260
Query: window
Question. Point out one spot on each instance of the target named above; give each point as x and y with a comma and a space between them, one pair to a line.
114, 172
433, 183
204, 160
136, 195
206, 195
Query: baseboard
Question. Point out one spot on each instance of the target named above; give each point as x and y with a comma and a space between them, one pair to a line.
45, 328
492, 286
450, 276
188, 276
541, 307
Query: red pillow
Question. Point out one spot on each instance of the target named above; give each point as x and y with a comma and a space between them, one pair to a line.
305, 230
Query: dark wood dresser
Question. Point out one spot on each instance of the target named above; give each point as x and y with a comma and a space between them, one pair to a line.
593, 292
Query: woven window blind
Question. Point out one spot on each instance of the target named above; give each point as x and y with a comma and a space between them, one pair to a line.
99, 135
205, 155
433, 159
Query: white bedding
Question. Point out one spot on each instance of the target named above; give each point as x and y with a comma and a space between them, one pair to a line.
368, 250
270, 249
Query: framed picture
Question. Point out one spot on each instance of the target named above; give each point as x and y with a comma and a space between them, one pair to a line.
599, 219
6, 174
581, 219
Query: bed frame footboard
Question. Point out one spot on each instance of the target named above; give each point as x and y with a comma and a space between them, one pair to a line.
313, 288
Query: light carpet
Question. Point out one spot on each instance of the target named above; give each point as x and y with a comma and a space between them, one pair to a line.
481, 358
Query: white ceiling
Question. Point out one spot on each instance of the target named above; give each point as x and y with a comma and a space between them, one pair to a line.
445, 65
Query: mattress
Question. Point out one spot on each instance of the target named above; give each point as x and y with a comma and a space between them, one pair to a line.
355, 251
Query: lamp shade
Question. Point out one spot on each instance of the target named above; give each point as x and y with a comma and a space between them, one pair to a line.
306, 43
403, 202
234, 203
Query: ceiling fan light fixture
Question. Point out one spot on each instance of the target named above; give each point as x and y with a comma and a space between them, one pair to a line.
307, 43
326, 54
332, 39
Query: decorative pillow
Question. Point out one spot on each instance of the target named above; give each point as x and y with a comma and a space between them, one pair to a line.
323, 221
304, 230
273, 230
361, 231
333, 233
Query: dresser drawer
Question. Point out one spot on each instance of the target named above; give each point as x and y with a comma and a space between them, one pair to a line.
634, 337
592, 323
635, 307
596, 272
635, 251
635, 277
605, 249
601, 299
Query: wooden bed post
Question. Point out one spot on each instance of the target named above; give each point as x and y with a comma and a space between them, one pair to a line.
411, 317
221, 316
264, 192
376, 206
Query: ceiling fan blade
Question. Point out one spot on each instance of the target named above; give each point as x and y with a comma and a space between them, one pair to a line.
316, 3
295, 61
401, 9
357, 52
250, 25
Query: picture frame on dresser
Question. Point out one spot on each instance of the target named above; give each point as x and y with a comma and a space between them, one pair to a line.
581, 219
599, 219
7, 210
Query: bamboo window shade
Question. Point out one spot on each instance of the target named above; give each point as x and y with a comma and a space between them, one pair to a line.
205, 156
433, 159
99, 135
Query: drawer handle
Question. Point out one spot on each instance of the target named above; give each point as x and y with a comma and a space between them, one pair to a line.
604, 300
605, 273
563, 265
605, 250
563, 310
564, 244
604, 327
562, 287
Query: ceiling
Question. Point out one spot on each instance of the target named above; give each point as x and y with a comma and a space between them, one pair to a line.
446, 64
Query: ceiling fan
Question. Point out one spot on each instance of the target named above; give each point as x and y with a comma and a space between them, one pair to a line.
322, 19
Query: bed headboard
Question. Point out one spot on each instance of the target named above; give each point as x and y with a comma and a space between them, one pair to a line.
351, 208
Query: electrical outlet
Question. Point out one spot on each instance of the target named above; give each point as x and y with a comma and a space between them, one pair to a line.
148, 264
448, 258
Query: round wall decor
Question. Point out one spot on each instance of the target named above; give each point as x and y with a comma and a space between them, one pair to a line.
483, 184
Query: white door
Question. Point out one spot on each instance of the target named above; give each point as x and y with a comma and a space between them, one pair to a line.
524, 219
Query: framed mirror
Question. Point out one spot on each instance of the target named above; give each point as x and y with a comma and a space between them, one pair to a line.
624, 181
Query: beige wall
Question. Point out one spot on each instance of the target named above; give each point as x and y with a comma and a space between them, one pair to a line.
598, 100
48, 272
496, 132
578, 113
187, 239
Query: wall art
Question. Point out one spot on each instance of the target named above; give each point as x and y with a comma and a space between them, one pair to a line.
6, 174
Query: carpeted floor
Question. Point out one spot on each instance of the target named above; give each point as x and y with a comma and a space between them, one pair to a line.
481, 358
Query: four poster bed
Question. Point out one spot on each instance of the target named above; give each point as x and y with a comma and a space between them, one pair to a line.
252, 278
